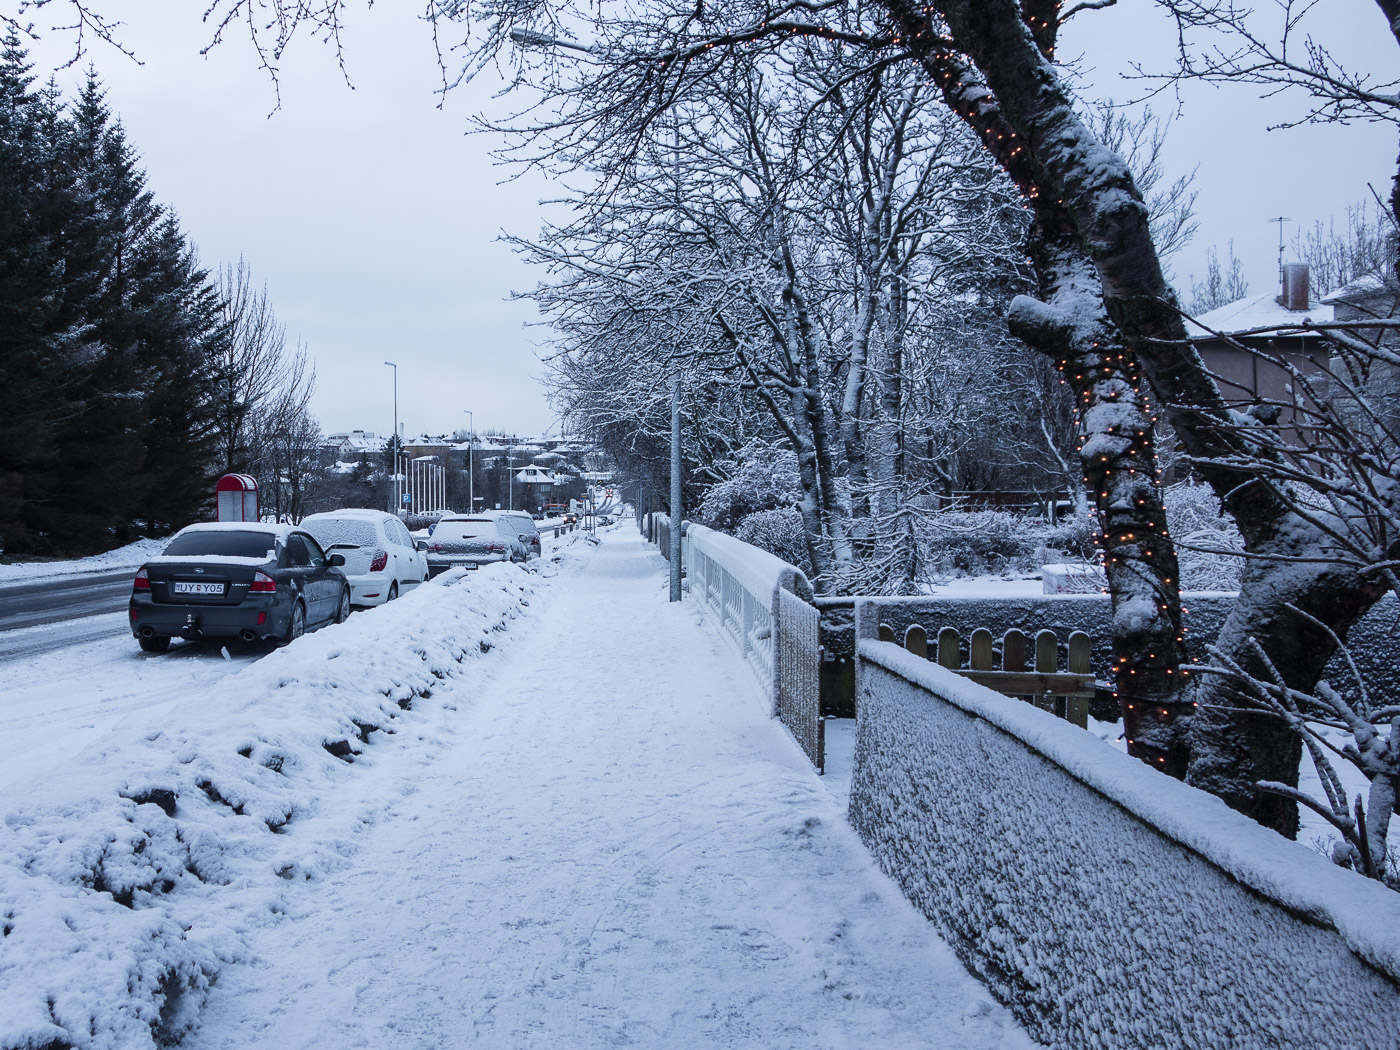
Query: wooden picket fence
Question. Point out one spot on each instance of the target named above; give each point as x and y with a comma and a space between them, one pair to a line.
1065, 693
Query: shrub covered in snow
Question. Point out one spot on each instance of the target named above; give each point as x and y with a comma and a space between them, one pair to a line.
974, 542
780, 533
1209, 548
763, 479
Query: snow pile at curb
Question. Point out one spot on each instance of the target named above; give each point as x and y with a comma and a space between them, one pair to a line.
127, 882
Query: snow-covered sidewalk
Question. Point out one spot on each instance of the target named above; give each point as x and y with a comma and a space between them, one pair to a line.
614, 845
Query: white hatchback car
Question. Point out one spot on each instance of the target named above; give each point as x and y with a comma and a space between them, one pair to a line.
381, 561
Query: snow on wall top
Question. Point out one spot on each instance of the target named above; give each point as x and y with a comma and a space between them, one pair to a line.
1364, 913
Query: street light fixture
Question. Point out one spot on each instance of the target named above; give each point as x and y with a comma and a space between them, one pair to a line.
533, 38
394, 441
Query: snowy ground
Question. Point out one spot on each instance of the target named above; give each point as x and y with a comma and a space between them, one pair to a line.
574, 827
59, 702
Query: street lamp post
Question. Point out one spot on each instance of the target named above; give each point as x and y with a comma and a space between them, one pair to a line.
393, 441
471, 443
675, 552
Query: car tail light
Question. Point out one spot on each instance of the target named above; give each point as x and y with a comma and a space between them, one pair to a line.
435, 547
262, 582
381, 559
142, 581
495, 548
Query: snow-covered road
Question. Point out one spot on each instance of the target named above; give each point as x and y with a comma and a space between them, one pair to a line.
66, 685
612, 844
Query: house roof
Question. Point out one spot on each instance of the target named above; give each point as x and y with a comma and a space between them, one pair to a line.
1360, 288
1251, 314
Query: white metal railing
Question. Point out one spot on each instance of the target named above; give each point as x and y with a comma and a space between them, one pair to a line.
737, 585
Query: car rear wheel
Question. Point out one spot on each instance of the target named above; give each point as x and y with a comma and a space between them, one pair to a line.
297, 627
342, 611
156, 643
393, 591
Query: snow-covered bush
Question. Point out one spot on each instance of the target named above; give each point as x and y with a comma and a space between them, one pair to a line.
779, 532
973, 542
763, 479
1206, 539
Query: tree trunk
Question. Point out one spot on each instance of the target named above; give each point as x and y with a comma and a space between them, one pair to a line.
1117, 450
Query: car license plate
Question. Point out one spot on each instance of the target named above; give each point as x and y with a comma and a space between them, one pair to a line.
464, 565
197, 587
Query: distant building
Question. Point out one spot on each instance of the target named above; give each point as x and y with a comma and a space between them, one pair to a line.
355, 445
1268, 328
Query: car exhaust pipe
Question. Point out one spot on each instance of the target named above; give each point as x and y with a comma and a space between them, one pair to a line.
247, 636
148, 631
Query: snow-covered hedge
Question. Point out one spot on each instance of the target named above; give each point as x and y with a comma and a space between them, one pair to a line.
126, 877
977, 541
1106, 905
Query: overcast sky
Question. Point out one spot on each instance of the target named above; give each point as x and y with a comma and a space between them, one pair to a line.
373, 217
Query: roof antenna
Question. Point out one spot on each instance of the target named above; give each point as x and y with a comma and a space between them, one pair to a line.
1280, 219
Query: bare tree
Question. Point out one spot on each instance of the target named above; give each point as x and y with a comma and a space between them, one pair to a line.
1221, 285
263, 385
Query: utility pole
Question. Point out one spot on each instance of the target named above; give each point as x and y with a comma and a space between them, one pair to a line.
394, 441
471, 443
676, 487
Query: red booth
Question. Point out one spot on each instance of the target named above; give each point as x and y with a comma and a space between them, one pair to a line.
237, 497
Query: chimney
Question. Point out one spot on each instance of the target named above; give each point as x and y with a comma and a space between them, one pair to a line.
1295, 287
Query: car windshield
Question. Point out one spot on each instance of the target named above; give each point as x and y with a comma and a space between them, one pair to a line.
342, 530
465, 529
227, 544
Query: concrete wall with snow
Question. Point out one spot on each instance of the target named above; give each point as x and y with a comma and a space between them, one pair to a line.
1106, 905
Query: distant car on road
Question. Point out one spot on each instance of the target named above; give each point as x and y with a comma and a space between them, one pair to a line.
381, 559
468, 542
240, 580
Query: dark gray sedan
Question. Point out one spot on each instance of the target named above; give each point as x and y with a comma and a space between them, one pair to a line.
241, 580
467, 542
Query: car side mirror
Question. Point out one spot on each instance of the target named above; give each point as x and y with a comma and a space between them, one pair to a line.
420, 545
337, 560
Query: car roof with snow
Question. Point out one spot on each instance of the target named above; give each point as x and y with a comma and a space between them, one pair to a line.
485, 515
348, 512
277, 529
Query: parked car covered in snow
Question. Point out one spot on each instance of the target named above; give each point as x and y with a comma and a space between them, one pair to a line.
470, 541
242, 580
525, 528
381, 560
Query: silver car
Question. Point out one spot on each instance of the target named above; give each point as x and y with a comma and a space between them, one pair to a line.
470, 541
381, 560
